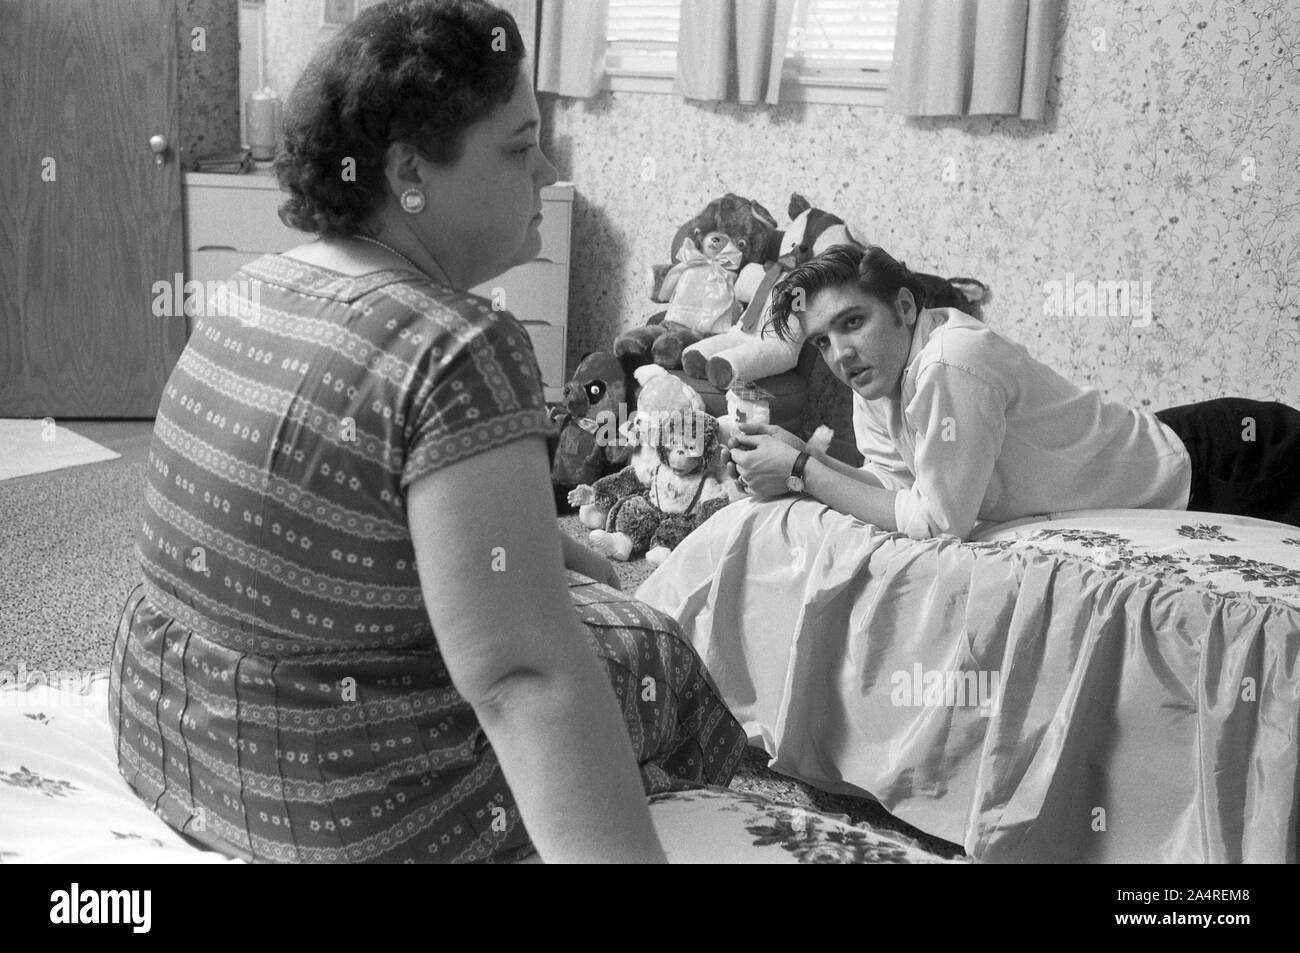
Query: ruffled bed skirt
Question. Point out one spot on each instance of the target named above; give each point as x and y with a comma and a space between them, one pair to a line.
1033, 706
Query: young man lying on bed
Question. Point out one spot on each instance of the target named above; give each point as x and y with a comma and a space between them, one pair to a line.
957, 424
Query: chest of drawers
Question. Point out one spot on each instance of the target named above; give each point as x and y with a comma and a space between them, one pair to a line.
231, 219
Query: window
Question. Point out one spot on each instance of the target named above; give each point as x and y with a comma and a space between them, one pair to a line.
838, 51
848, 36
643, 36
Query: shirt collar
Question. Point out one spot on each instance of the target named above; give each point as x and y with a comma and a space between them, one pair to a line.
926, 321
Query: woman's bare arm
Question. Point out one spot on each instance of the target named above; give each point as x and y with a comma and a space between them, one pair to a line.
489, 554
587, 561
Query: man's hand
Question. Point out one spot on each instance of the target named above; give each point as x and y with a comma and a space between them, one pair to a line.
780, 433
744, 442
763, 462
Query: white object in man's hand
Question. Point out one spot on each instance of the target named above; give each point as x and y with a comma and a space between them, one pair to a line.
771, 430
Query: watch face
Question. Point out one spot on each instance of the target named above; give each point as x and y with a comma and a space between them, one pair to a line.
794, 483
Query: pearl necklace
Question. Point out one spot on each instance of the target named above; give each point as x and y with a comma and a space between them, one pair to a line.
392, 250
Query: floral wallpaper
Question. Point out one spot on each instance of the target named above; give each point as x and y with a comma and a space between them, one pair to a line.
208, 78
1168, 167
1170, 162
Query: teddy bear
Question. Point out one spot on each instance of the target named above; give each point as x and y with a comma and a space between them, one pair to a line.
719, 260
651, 510
700, 288
744, 351
598, 396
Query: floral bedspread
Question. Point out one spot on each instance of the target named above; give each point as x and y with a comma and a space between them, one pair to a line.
1232, 555
63, 801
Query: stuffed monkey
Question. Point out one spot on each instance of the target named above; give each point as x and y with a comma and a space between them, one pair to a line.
651, 513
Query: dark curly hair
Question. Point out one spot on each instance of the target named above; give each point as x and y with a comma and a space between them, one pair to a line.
417, 71
870, 268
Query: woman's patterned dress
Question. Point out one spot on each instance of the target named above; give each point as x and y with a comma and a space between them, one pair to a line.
277, 691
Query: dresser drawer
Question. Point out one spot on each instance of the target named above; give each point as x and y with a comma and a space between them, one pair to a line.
238, 219
555, 231
537, 291
215, 264
548, 345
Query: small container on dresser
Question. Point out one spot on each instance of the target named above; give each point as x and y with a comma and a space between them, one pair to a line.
231, 220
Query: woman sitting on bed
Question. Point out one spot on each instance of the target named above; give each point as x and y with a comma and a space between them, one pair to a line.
354, 640
957, 424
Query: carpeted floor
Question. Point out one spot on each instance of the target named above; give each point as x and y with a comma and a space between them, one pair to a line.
66, 566
631, 573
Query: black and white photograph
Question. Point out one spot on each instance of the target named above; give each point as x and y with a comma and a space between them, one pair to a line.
728, 432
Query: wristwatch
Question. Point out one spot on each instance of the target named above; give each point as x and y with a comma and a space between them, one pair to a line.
795, 480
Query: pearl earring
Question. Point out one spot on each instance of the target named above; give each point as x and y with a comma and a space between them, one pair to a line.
413, 201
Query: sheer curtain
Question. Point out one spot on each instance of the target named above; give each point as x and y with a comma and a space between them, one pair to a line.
973, 57
571, 41
732, 49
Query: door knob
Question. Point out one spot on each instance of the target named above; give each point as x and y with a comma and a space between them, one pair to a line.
159, 146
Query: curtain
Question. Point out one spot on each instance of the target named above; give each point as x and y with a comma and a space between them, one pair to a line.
525, 14
571, 47
732, 49
973, 57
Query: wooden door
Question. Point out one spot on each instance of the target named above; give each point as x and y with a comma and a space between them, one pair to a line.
88, 221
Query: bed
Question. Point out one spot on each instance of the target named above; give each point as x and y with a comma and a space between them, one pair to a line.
63, 801
1099, 686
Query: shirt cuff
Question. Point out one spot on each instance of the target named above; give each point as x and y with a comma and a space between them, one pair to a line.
913, 518
910, 516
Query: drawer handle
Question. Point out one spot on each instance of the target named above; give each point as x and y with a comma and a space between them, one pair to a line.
216, 248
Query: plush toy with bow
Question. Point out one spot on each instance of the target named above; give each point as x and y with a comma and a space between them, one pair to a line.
743, 351
701, 287
719, 256
651, 512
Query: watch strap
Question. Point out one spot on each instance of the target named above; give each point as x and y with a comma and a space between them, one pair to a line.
800, 462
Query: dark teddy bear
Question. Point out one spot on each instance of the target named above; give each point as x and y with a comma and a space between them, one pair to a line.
755, 234
598, 398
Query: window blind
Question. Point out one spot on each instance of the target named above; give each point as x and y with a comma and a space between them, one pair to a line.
639, 28
842, 34
825, 35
